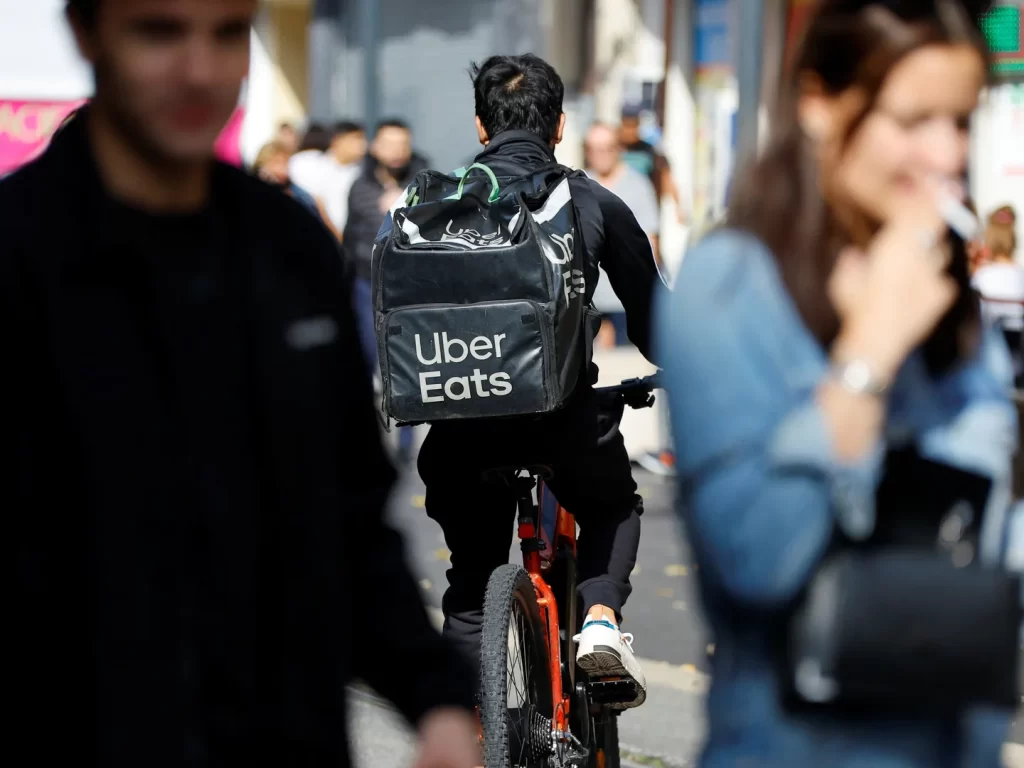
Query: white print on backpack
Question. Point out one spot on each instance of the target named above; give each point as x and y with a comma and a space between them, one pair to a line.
565, 245
471, 237
446, 351
573, 283
466, 238
500, 385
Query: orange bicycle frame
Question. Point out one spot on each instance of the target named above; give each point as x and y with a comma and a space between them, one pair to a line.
538, 564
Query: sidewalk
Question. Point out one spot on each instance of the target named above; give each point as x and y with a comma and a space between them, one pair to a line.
667, 731
380, 739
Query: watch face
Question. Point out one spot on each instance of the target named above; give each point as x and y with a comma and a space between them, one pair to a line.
857, 376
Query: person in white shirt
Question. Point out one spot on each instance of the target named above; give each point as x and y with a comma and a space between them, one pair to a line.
309, 166
345, 157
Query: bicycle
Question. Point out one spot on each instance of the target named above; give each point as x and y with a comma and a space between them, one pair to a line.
565, 719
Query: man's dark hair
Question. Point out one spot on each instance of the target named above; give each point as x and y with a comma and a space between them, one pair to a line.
345, 127
316, 137
392, 122
518, 93
84, 10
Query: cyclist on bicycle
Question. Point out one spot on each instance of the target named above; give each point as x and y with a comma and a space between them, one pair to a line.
519, 121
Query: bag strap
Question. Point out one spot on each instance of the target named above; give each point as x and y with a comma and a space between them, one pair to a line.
463, 175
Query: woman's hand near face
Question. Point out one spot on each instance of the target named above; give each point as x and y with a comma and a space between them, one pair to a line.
891, 296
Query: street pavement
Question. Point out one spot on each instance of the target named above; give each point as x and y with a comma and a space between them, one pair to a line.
662, 613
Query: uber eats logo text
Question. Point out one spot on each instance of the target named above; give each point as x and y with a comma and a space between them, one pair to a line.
446, 350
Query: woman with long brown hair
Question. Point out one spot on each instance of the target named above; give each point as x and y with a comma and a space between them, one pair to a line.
842, 421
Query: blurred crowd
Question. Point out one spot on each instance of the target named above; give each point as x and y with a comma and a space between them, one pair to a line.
320, 167
999, 279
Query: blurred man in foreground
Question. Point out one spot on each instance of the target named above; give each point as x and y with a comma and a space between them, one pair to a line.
193, 480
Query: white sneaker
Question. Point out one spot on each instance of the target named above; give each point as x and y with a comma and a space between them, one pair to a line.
604, 651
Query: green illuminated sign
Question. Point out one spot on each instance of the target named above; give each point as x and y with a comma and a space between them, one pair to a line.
1001, 26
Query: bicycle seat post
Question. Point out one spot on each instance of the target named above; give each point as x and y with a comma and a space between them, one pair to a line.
530, 537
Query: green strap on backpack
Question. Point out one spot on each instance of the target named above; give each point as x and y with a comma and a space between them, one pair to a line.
463, 173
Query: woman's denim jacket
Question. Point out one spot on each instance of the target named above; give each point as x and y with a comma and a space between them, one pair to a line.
761, 490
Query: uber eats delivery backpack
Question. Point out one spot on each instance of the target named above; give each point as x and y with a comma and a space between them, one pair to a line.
479, 300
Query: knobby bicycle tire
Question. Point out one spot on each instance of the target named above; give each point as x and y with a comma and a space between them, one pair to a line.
510, 597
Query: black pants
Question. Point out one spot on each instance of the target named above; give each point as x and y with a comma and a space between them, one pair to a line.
594, 482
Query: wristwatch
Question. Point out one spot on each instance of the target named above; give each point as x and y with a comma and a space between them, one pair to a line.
858, 377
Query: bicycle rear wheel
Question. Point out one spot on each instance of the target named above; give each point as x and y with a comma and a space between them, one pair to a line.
515, 689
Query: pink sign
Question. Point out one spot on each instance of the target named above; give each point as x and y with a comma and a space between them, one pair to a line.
229, 145
26, 128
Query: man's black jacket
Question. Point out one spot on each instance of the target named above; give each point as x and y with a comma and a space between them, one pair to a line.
136, 641
364, 214
612, 237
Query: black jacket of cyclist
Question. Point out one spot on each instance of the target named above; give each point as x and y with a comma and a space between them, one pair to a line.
519, 119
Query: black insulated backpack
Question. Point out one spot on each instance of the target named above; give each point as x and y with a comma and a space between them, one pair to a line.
479, 299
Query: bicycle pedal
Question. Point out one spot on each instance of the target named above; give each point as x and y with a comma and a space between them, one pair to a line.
612, 690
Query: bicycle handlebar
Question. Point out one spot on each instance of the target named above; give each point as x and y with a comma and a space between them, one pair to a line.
635, 393
634, 390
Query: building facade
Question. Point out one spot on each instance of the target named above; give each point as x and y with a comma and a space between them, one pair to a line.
312, 62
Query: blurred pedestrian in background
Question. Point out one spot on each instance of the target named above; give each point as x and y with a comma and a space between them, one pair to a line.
606, 166
271, 165
193, 481
999, 280
843, 423
288, 138
646, 159
309, 166
388, 169
346, 154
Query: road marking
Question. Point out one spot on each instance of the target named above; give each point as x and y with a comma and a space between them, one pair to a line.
1013, 756
677, 570
443, 554
426, 585
665, 592
679, 605
418, 502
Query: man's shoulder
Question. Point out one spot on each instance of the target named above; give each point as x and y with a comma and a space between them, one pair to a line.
28, 198
283, 229
261, 197
279, 218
